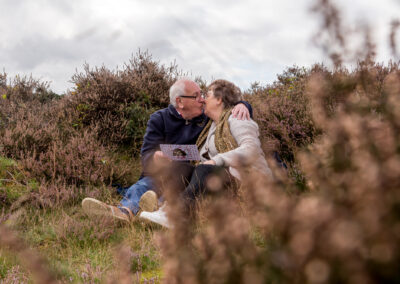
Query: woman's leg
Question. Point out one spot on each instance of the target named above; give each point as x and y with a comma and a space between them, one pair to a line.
198, 183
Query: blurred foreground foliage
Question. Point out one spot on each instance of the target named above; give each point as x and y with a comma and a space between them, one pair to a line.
345, 228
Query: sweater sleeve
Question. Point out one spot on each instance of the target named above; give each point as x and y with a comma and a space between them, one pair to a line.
153, 137
246, 135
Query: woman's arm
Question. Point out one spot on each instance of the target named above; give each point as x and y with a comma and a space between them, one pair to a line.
246, 135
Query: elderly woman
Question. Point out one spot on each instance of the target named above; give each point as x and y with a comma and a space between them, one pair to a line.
225, 143
226, 140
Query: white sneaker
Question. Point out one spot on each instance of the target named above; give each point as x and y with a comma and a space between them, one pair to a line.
158, 217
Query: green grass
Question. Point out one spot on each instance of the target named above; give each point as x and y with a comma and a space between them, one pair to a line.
76, 248
81, 249
7, 260
13, 181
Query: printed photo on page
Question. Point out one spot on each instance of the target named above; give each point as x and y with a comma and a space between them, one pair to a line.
181, 152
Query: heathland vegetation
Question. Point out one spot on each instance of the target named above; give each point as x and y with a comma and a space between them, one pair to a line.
332, 216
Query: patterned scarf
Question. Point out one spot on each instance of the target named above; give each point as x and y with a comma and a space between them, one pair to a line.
224, 140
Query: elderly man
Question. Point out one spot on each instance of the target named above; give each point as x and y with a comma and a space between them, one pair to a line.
180, 123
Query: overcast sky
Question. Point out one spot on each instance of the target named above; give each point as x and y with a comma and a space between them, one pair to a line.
242, 41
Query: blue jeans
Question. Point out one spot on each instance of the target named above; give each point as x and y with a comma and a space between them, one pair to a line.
132, 195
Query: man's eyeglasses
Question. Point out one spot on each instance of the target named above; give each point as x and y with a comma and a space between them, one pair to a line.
199, 96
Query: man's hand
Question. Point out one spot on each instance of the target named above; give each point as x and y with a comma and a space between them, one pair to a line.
209, 162
159, 157
241, 112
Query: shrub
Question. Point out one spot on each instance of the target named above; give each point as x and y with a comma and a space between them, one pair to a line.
43, 140
282, 111
81, 161
28, 131
61, 158
120, 102
23, 89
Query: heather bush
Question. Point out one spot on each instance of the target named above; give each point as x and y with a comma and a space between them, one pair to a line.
47, 152
23, 89
22, 95
58, 157
81, 161
27, 131
282, 112
283, 109
120, 102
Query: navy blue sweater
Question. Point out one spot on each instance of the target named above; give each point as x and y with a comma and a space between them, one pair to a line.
167, 126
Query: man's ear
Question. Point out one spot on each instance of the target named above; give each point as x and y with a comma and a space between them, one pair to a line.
179, 103
219, 101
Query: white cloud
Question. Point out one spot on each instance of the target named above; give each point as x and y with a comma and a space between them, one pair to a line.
243, 41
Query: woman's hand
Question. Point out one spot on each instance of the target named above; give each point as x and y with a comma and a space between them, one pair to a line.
209, 162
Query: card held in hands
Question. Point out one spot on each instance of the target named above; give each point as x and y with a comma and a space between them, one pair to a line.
181, 152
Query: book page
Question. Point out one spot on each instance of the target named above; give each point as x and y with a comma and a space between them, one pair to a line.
181, 152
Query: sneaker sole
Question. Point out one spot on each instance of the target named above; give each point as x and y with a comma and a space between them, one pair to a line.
95, 207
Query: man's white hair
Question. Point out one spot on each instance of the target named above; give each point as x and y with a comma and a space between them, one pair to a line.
177, 90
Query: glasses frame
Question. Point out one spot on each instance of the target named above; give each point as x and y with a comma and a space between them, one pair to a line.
190, 97
202, 95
